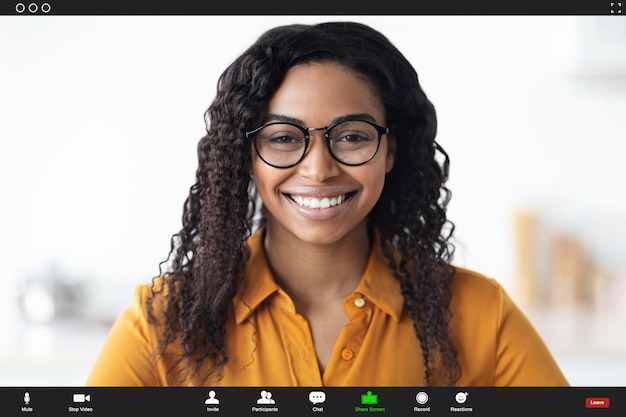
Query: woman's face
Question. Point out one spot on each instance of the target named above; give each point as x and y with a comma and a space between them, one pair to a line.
315, 95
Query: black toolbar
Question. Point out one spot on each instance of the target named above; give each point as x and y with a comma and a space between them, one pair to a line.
317, 401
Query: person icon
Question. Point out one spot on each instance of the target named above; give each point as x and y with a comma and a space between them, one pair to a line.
212, 399
270, 400
266, 398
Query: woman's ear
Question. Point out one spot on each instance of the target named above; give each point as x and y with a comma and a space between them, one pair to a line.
391, 152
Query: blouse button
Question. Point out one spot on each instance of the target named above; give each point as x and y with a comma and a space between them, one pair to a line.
359, 302
347, 354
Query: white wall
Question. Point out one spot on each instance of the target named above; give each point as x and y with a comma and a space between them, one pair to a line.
100, 116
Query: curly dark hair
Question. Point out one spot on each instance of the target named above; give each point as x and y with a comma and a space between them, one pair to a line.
207, 256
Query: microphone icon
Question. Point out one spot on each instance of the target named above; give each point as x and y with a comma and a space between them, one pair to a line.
26, 398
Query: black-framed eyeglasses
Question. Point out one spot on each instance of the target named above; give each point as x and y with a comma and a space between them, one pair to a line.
350, 142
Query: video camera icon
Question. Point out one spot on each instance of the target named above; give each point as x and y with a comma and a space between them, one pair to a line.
81, 398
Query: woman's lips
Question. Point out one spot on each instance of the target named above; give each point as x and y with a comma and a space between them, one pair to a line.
318, 203
320, 207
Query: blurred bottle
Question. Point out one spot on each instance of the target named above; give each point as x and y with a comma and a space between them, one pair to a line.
527, 288
571, 283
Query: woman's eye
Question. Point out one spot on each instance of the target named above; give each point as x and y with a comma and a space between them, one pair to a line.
353, 137
283, 140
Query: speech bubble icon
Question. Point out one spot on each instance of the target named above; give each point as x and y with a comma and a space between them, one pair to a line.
317, 397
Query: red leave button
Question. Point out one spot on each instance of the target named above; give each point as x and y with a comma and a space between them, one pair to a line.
597, 402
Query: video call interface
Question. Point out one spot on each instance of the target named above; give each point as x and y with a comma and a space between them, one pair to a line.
101, 116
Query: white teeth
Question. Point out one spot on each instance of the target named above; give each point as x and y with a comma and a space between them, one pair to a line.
317, 203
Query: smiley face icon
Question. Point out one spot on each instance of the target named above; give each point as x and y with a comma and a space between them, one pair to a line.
461, 397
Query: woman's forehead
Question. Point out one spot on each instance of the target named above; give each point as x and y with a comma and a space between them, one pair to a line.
324, 91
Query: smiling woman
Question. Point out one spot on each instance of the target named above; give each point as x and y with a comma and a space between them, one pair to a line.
347, 277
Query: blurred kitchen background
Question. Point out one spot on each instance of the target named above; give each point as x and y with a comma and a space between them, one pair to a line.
100, 116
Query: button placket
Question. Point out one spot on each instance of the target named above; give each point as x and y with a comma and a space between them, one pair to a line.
357, 310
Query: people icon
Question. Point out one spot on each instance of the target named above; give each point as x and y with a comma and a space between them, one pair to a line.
266, 398
212, 399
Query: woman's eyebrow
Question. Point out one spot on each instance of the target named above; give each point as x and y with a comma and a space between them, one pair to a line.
287, 119
358, 116
280, 118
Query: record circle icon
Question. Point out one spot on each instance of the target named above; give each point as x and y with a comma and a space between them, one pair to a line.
421, 397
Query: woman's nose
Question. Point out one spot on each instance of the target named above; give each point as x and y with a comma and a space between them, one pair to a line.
318, 164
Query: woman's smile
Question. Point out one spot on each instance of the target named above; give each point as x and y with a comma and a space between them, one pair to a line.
321, 208
318, 203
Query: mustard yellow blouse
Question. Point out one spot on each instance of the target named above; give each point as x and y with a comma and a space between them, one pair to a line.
269, 344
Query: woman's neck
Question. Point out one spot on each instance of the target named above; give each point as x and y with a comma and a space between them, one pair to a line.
317, 274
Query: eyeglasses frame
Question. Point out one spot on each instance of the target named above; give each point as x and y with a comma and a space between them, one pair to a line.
252, 135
